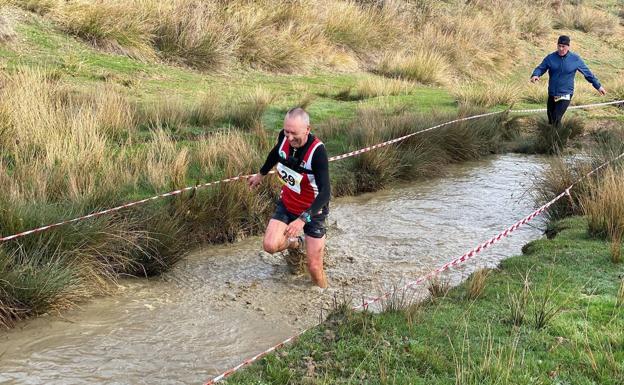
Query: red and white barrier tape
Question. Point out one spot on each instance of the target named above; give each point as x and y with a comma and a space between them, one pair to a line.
531, 110
334, 158
431, 274
108, 211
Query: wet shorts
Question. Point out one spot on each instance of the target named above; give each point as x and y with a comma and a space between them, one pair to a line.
316, 227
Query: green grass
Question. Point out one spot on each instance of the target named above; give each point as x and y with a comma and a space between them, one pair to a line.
455, 340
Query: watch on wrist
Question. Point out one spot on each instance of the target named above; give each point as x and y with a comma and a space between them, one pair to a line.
306, 217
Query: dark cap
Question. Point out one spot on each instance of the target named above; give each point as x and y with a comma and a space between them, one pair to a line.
563, 39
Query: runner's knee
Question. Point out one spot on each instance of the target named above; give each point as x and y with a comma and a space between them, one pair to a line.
271, 246
315, 265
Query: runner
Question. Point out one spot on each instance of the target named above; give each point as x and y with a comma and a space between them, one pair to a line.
562, 66
303, 168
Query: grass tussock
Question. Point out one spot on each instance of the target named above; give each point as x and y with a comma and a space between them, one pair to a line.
247, 112
419, 156
488, 94
371, 87
616, 88
438, 287
584, 93
604, 208
555, 179
363, 28
122, 26
193, 33
517, 302
41, 7
423, 66
476, 283
545, 304
276, 40
171, 113
586, 19
495, 363
553, 140
7, 26
535, 93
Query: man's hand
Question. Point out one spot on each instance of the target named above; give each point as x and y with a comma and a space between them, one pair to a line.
602, 91
294, 228
255, 180
534, 79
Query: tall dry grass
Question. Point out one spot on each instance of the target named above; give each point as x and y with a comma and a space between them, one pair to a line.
122, 26
604, 208
423, 66
556, 178
487, 94
586, 19
193, 32
435, 42
363, 28
419, 156
371, 87
67, 152
247, 111
535, 93
616, 88
7, 25
41, 7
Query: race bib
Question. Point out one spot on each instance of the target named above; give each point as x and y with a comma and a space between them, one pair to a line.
562, 97
289, 178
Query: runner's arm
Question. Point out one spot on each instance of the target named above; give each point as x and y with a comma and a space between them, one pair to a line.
542, 68
589, 76
273, 156
320, 168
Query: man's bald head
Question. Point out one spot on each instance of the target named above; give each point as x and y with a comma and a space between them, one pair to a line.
298, 113
297, 127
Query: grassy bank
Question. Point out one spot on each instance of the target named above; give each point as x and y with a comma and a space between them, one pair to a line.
552, 316
106, 102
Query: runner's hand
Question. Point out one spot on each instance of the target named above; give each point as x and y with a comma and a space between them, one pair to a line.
255, 180
534, 79
602, 91
294, 228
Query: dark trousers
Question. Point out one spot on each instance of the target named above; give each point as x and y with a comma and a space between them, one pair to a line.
555, 110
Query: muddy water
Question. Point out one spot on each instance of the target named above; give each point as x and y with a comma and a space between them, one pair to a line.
223, 304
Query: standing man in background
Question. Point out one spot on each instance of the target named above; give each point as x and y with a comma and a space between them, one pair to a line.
562, 66
303, 169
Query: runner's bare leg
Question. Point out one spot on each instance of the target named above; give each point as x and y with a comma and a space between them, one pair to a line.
315, 248
274, 239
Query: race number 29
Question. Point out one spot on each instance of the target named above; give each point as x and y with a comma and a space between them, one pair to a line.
289, 178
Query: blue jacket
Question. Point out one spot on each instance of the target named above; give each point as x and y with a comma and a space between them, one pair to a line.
561, 71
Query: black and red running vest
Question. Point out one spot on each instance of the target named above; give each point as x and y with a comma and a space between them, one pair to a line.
299, 187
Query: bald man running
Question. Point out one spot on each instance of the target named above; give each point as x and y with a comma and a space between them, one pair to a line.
303, 169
